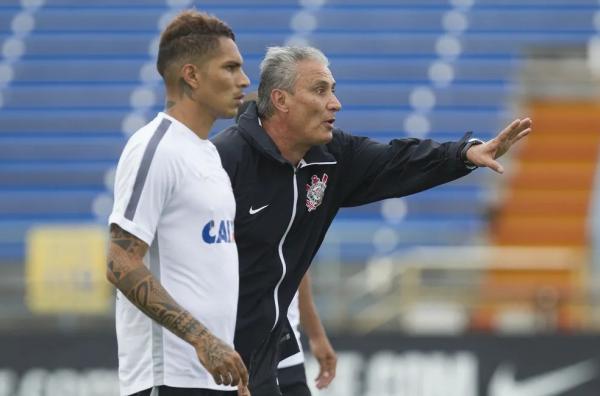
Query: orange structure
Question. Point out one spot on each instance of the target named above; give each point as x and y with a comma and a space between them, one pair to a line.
546, 204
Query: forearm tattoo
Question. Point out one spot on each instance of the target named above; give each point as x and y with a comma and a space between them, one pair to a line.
215, 351
138, 284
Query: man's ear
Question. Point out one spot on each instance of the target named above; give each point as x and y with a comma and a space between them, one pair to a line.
280, 100
190, 74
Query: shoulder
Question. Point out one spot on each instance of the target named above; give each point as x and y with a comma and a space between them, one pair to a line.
155, 147
230, 144
342, 141
226, 137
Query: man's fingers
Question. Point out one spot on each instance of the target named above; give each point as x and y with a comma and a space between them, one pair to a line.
332, 368
243, 390
513, 126
230, 378
236, 376
522, 126
495, 166
218, 377
226, 375
324, 380
237, 370
522, 134
326, 374
526, 123
243, 372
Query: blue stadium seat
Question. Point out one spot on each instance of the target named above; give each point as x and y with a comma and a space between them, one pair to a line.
31, 97
62, 114
54, 149
392, 3
200, 5
385, 94
441, 203
77, 70
536, 3
416, 70
139, 19
6, 17
68, 175
452, 122
372, 18
47, 203
352, 240
88, 45
64, 122
422, 44
532, 19
13, 234
145, 19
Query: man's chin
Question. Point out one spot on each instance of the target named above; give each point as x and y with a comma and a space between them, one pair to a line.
326, 138
231, 113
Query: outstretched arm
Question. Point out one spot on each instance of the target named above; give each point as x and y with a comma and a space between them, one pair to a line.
485, 154
313, 328
128, 273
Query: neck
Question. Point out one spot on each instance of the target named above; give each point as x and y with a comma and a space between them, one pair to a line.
189, 114
283, 138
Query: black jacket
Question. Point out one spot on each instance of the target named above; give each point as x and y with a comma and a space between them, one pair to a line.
283, 214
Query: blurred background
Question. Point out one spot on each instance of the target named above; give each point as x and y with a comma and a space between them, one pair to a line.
485, 286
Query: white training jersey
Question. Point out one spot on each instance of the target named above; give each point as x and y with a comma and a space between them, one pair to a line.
293, 315
172, 192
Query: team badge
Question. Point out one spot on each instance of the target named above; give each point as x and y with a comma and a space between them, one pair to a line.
315, 191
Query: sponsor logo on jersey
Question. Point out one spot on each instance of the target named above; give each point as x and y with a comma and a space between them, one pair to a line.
218, 232
315, 191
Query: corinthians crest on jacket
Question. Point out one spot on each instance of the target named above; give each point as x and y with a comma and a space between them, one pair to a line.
315, 191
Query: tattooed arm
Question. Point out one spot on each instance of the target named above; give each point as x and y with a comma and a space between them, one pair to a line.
128, 273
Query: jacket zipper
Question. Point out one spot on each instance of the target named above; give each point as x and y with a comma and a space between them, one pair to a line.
280, 250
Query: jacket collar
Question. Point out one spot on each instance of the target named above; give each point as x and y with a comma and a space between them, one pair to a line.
250, 126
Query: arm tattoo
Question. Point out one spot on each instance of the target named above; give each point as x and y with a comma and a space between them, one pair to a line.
127, 272
215, 352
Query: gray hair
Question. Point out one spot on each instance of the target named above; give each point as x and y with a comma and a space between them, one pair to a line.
278, 71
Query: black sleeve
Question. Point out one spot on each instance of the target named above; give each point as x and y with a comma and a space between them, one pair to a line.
373, 171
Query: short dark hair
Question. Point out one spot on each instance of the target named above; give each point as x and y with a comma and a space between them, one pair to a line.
191, 35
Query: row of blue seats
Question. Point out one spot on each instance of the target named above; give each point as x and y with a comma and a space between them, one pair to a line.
89, 175
243, 3
371, 18
43, 175
371, 121
57, 150
352, 240
75, 203
61, 62
356, 236
253, 45
115, 96
344, 70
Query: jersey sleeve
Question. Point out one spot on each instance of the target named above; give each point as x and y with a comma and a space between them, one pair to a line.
144, 182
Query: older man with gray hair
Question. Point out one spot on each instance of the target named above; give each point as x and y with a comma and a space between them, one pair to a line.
292, 170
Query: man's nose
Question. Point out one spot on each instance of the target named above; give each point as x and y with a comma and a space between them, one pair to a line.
245, 81
334, 104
